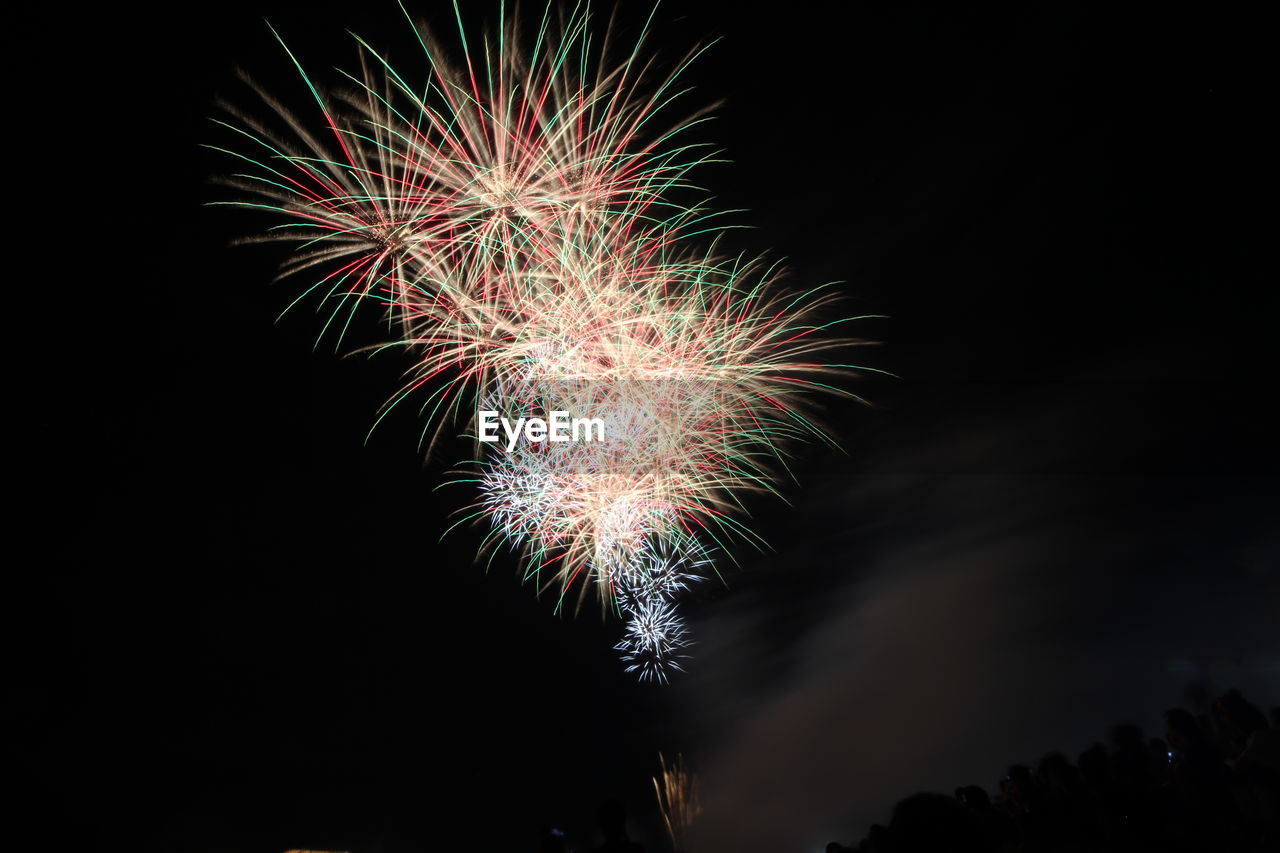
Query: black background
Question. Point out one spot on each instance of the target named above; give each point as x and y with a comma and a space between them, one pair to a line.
235, 626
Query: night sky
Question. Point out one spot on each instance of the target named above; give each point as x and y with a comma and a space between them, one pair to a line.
232, 623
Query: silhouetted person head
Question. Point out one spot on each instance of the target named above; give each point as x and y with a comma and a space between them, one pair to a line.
1182, 730
1093, 766
1018, 790
974, 797
878, 839
1241, 717
928, 823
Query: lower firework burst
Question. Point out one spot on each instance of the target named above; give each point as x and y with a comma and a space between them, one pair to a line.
654, 639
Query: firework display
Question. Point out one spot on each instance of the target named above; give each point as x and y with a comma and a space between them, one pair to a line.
523, 217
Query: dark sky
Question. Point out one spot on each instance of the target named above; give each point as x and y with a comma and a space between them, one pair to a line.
233, 625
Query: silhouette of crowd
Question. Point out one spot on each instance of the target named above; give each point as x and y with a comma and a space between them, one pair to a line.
1212, 783
612, 818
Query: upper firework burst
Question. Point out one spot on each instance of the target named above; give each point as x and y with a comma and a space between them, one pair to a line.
534, 139
516, 214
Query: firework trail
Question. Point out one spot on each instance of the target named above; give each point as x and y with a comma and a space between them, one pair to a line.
514, 217
677, 791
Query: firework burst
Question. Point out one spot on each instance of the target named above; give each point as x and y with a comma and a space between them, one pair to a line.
513, 216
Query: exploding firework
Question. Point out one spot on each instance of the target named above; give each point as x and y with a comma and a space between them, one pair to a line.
514, 217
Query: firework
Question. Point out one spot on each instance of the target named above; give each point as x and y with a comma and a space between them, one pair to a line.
512, 216
677, 791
